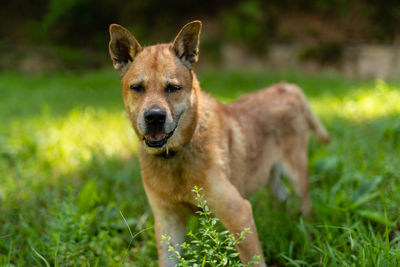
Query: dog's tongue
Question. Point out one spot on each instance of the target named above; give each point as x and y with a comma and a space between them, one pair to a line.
155, 137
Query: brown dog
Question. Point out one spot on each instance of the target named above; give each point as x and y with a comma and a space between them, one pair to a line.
188, 138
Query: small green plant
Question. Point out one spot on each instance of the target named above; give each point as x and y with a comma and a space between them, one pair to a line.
208, 247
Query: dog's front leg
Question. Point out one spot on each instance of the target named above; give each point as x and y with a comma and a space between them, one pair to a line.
235, 214
170, 220
173, 225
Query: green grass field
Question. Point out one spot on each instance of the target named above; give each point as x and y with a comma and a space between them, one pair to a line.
69, 174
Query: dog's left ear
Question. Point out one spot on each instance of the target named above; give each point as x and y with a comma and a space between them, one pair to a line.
186, 43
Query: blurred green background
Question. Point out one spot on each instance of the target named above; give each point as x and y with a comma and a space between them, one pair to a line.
70, 185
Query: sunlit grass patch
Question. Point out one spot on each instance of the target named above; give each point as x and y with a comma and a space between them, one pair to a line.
69, 142
362, 103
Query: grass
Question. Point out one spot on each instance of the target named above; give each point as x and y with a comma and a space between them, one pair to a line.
71, 192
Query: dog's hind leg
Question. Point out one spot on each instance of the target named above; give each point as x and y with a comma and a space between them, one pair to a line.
275, 184
296, 168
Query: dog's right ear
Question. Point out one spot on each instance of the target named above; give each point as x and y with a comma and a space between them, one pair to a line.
123, 47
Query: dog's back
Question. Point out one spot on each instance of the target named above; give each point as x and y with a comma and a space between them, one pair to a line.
278, 110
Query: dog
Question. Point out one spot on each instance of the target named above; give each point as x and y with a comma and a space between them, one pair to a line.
187, 138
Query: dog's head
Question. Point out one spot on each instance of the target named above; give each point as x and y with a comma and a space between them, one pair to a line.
158, 85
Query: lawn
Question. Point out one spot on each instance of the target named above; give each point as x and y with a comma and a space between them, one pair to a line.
71, 193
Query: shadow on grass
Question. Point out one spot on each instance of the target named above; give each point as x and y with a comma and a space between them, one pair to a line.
58, 94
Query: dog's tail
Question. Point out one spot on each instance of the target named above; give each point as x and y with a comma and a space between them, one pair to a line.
317, 128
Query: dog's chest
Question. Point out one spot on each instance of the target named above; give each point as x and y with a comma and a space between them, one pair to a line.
173, 178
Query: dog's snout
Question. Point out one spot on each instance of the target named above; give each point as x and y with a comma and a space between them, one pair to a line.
155, 116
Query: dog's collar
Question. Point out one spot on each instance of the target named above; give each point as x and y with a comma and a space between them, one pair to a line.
168, 155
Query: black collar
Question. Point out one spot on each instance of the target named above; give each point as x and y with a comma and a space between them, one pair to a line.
168, 155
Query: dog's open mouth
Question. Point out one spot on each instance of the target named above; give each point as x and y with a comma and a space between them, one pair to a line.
157, 139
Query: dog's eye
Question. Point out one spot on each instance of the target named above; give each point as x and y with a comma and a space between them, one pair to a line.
172, 88
137, 88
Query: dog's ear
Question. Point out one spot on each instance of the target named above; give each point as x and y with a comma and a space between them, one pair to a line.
123, 47
186, 43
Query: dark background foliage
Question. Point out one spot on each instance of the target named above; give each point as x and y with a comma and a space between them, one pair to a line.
77, 29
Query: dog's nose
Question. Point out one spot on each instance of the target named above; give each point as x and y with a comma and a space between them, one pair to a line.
155, 116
